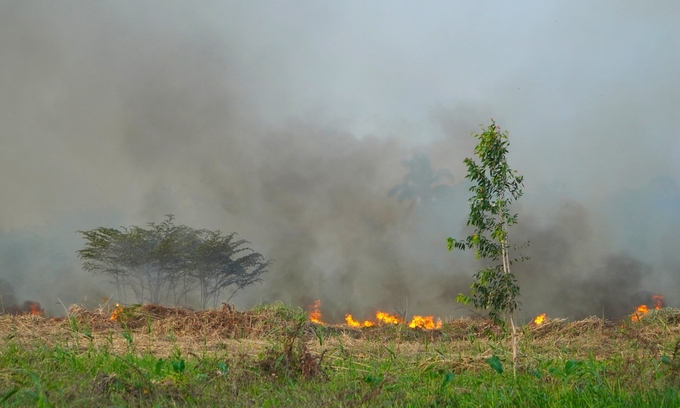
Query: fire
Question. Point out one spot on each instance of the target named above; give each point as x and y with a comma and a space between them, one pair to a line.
35, 309
315, 313
116, 312
539, 319
425, 322
351, 322
640, 312
418, 322
29, 308
643, 310
388, 318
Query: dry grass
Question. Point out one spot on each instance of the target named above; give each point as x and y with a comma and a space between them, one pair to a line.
164, 330
140, 357
152, 328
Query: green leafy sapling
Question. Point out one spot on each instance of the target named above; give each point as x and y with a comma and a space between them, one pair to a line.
495, 187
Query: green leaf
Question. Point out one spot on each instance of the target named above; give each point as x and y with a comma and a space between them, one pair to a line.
447, 379
571, 366
8, 395
369, 379
318, 331
179, 366
461, 298
495, 363
159, 366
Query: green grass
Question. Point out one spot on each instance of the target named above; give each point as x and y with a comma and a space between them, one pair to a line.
293, 363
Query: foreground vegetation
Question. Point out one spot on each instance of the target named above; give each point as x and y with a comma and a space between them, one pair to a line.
272, 356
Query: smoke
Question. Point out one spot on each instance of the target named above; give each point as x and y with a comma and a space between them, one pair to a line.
7, 297
291, 128
575, 271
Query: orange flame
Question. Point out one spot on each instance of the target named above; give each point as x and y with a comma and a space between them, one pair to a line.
640, 312
29, 308
315, 313
425, 322
35, 309
643, 310
351, 322
388, 318
418, 322
539, 319
116, 312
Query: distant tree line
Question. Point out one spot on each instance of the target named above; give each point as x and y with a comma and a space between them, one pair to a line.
168, 261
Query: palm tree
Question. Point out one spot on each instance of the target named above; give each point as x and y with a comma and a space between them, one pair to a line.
421, 183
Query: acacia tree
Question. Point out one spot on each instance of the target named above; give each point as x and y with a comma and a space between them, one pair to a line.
107, 252
171, 253
220, 263
495, 187
168, 260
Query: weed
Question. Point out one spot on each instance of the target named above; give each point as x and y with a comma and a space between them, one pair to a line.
278, 362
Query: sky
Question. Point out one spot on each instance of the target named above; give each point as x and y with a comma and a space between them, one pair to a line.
289, 122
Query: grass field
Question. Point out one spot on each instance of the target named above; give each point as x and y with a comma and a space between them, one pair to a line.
273, 357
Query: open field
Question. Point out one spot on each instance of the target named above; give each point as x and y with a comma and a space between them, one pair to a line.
272, 356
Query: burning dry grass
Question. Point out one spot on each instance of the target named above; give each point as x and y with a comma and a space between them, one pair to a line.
147, 348
163, 330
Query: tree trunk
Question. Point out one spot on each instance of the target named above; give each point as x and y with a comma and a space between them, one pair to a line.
506, 270
514, 346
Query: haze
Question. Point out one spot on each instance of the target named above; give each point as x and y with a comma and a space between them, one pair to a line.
288, 122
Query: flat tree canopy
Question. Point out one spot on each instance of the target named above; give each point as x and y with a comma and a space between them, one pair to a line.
169, 262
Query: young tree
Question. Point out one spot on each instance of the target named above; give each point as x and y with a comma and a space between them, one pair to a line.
495, 187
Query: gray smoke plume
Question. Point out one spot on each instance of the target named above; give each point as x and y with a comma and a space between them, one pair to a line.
290, 125
7, 297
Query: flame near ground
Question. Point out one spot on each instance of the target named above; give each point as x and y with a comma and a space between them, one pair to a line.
643, 310
28, 308
639, 313
381, 318
429, 322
